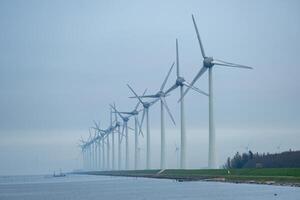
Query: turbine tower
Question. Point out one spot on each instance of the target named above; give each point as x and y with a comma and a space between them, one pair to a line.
180, 83
160, 95
208, 64
146, 106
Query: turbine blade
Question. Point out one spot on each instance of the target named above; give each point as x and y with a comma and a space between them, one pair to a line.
135, 94
96, 125
140, 130
130, 128
165, 81
228, 64
127, 113
90, 134
194, 88
142, 120
116, 117
94, 128
138, 103
153, 102
171, 88
202, 70
110, 112
81, 139
177, 58
198, 36
146, 96
114, 107
122, 134
167, 108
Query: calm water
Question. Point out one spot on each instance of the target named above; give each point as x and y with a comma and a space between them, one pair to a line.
99, 187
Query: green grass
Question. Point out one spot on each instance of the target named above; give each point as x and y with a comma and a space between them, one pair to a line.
278, 175
295, 172
261, 175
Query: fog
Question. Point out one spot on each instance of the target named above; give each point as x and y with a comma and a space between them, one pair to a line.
63, 62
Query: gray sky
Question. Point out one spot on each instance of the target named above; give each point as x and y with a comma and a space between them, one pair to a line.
62, 62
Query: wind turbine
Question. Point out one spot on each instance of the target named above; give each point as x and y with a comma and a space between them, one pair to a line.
101, 135
125, 120
110, 130
160, 95
103, 151
91, 150
112, 139
180, 83
82, 145
105, 134
94, 150
208, 64
146, 106
135, 113
117, 126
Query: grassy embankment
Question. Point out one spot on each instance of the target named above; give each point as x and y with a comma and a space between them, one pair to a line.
284, 176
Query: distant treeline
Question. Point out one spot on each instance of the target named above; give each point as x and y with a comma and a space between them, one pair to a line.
288, 159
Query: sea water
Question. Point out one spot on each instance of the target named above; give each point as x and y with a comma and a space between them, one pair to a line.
104, 187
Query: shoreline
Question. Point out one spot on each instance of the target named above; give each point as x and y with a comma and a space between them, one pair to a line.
202, 175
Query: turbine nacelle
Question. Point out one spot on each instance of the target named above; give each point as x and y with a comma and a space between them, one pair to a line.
146, 104
208, 62
125, 119
118, 124
180, 81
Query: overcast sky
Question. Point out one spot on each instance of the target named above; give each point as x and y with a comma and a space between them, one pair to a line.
63, 62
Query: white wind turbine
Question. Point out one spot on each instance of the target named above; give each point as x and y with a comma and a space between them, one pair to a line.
118, 126
97, 150
112, 129
82, 145
101, 136
125, 120
103, 150
90, 149
208, 64
106, 134
160, 95
146, 106
88, 155
135, 113
94, 149
180, 83
115, 125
